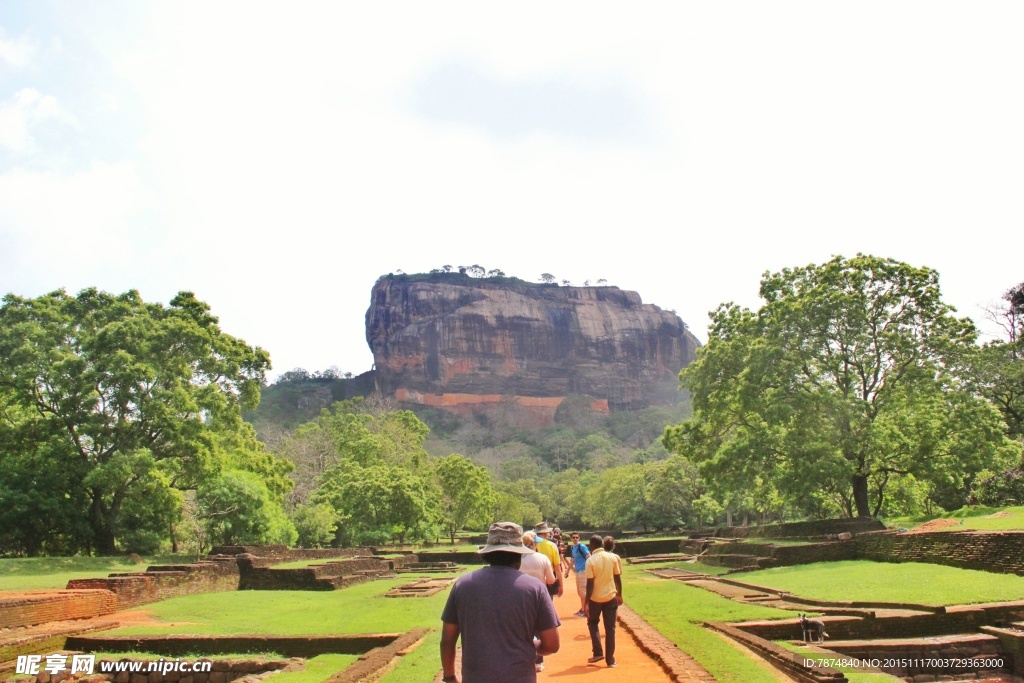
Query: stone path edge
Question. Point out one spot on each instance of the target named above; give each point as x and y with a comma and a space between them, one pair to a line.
375, 663
676, 663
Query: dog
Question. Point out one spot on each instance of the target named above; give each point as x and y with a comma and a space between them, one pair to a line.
813, 630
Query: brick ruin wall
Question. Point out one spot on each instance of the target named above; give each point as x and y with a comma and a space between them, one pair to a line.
29, 610
779, 657
327, 576
654, 546
85, 598
163, 582
282, 553
813, 529
993, 551
953, 620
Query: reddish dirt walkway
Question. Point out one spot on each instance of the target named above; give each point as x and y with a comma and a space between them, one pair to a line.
570, 663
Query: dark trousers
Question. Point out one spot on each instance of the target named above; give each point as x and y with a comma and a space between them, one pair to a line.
605, 611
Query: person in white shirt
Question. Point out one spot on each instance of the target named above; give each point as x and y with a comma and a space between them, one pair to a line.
537, 564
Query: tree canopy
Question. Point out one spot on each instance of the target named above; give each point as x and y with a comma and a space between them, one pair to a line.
849, 378
105, 398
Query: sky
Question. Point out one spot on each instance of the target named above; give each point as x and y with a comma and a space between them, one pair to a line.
277, 158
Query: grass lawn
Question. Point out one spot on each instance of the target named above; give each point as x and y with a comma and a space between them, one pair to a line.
420, 665
33, 573
357, 609
677, 611
979, 517
863, 580
318, 669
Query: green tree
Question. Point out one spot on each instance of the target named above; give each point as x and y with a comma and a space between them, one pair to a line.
999, 365
620, 498
237, 507
521, 501
100, 377
847, 377
378, 502
316, 525
466, 494
670, 495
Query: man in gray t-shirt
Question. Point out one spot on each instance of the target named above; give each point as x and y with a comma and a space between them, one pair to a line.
497, 610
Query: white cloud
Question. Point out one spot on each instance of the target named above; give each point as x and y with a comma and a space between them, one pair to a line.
279, 168
24, 112
18, 52
69, 230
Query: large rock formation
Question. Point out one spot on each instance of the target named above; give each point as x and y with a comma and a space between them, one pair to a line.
453, 341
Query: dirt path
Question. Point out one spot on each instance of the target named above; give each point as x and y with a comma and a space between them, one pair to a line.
570, 663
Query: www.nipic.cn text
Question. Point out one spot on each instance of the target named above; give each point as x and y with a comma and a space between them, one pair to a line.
31, 665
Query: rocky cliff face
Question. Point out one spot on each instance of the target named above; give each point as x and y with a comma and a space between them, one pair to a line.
463, 343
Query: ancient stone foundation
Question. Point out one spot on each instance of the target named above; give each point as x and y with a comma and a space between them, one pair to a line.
167, 581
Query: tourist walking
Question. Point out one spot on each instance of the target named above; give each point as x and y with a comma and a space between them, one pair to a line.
604, 595
538, 565
580, 554
496, 611
550, 550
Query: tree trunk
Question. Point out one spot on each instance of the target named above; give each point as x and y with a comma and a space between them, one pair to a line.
174, 540
728, 516
860, 495
102, 529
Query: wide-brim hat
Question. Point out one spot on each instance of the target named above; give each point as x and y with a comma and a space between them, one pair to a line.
542, 528
505, 537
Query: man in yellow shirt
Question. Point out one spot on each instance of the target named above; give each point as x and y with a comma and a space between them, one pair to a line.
550, 550
604, 595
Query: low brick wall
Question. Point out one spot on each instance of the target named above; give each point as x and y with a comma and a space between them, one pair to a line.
736, 561
974, 655
959, 619
791, 663
785, 556
992, 551
653, 546
694, 546
461, 557
163, 582
327, 576
39, 608
812, 529
283, 553
44, 640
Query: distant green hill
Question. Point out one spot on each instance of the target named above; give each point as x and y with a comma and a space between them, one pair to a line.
299, 396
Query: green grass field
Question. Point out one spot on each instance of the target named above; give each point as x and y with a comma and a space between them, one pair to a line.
34, 573
420, 665
677, 611
357, 609
863, 580
318, 669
